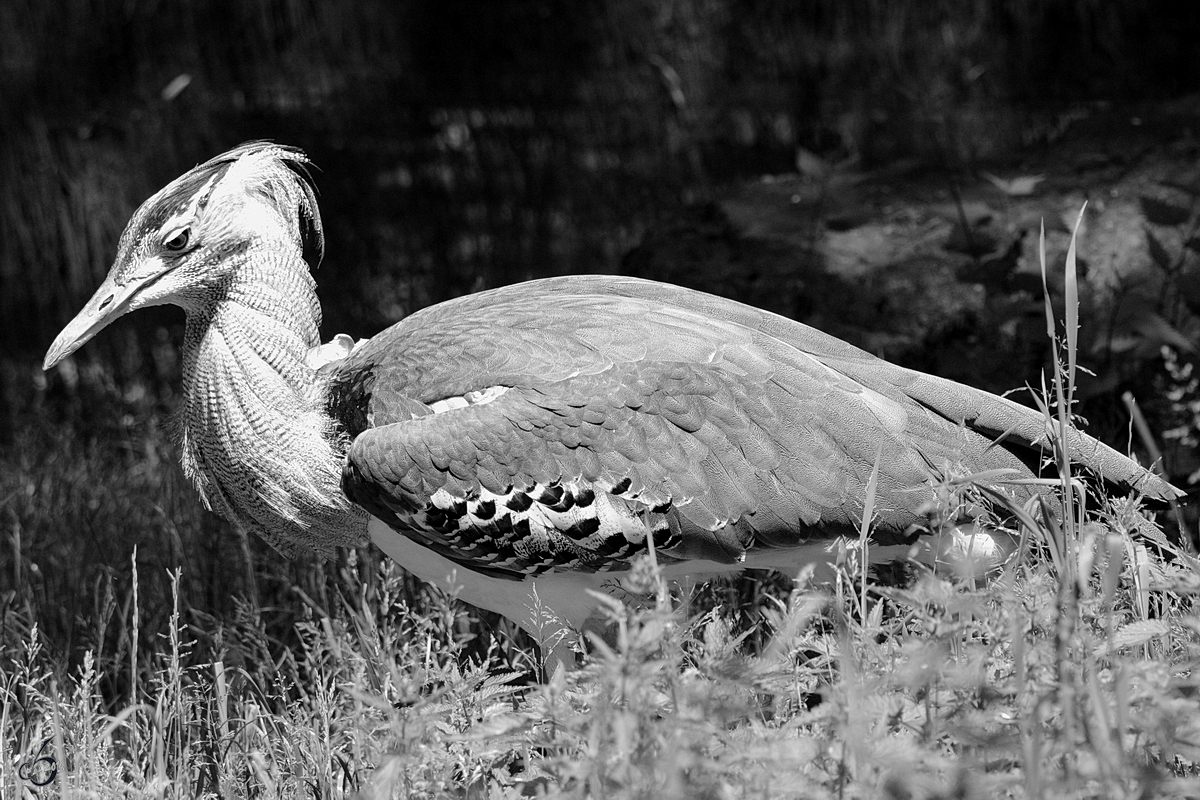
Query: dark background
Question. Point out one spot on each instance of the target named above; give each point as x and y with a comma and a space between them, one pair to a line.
470, 144
464, 145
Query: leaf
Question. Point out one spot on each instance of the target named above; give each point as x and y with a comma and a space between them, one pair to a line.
1161, 212
1124, 343
1190, 188
811, 165
1139, 632
1189, 288
1020, 186
1158, 252
1071, 290
175, 87
865, 527
1045, 283
1157, 331
499, 725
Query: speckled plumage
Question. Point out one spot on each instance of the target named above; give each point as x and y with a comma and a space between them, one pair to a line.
536, 434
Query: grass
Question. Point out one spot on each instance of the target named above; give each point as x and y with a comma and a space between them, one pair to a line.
1070, 673
939, 691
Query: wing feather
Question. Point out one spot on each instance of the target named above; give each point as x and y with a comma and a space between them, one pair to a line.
754, 429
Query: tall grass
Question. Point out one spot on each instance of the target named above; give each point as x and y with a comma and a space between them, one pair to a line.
938, 690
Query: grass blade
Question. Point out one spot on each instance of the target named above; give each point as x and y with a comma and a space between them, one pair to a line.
1045, 283
1071, 298
865, 528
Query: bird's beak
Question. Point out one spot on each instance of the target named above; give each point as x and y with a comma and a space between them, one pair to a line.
110, 301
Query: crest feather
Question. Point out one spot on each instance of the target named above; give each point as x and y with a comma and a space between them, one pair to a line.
281, 174
277, 172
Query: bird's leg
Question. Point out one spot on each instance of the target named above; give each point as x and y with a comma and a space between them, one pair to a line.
565, 645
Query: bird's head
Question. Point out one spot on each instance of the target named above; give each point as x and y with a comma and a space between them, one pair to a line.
182, 246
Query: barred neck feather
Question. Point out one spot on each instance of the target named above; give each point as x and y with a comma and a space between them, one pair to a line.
256, 441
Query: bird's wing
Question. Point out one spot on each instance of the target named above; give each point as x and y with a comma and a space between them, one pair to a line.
981, 411
731, 427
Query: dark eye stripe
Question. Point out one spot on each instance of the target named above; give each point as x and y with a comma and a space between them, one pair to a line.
182, 193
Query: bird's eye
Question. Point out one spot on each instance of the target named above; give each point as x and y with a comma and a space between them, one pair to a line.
179, 241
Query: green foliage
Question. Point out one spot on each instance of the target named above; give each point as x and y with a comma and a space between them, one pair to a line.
1018, 689
1159, 323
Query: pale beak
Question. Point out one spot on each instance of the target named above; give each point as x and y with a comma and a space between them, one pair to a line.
110, 301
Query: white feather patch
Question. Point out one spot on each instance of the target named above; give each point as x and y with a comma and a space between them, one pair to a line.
478, 398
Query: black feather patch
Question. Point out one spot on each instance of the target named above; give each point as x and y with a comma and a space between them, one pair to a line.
582, 529
519, 502
441, 521
552, 495
663, 540
616, 544
348, 398
565, 503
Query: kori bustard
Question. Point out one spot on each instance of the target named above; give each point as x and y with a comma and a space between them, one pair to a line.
535, 437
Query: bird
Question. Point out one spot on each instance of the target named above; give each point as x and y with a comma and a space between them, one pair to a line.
523, 446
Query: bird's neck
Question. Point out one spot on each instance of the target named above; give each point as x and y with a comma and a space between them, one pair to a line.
256, 438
